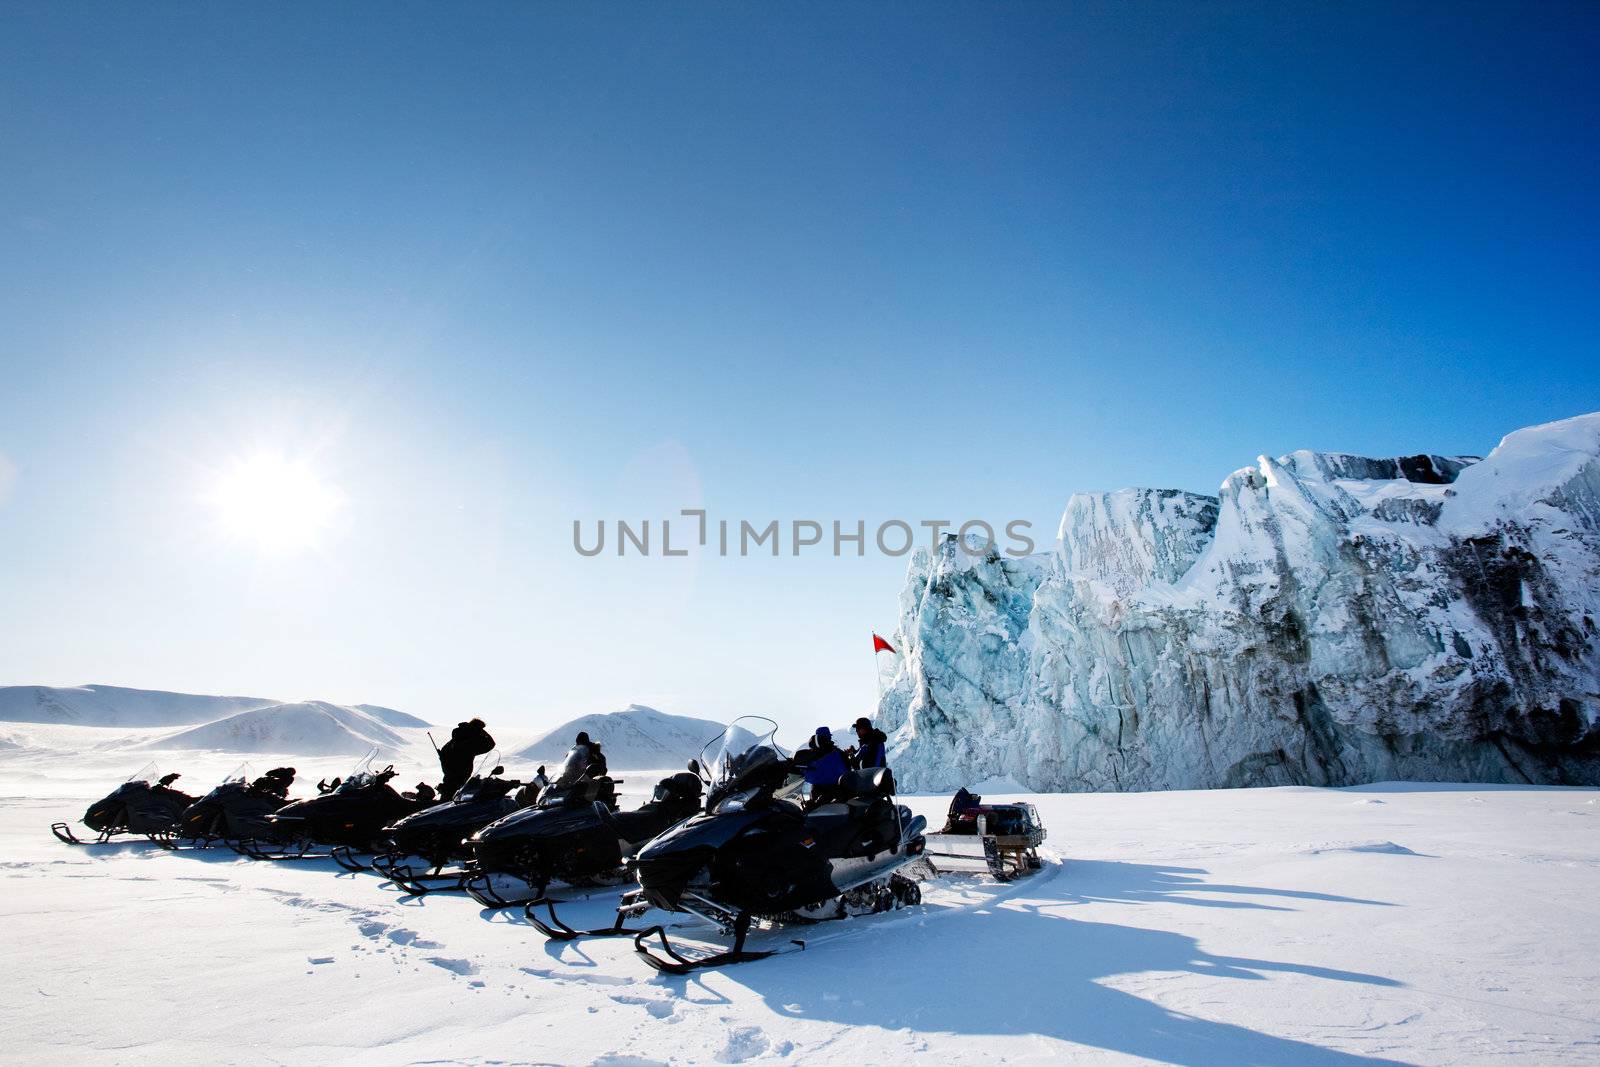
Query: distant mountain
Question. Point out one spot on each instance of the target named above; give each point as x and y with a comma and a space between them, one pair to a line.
110, 705
634, 738
390, 717
308, 728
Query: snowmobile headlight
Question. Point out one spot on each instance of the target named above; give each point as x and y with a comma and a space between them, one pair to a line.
737, 801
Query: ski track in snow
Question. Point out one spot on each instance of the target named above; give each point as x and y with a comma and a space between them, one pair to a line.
1438, 925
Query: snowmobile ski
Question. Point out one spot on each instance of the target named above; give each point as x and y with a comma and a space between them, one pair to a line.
675, 962
557, 930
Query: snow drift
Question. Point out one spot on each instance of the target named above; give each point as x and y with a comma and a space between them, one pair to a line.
308, 728
636, 737
116, 706
1326, 619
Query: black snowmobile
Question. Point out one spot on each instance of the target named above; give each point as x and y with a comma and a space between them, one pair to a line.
438, 835
594, 847
236, 810
759, 854
144, 804
347, 819
574, 833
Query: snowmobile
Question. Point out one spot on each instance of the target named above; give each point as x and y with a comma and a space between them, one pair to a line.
1002, 839
237, 809
594, 846
347, 819
438, 835
144, 804
555, 838
758, 854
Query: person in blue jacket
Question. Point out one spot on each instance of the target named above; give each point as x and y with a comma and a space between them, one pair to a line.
824, 766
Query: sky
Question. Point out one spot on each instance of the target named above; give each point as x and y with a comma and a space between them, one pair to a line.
459, 276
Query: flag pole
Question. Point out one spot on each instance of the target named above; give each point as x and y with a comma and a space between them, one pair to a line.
877, 673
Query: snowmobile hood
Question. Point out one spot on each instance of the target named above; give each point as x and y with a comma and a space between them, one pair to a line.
530, 823
464, 815
703, 831
341, 804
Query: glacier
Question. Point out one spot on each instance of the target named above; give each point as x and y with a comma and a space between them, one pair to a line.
1325, 619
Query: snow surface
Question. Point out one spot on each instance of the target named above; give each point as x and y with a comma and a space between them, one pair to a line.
634, 737
1327, 619
1297, 925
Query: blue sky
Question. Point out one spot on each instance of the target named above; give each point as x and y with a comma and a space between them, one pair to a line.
486, 269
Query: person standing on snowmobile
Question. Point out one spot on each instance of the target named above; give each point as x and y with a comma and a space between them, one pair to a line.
468, 741
824, 766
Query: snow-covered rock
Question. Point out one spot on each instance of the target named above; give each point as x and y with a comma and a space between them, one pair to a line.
636, 737
117, 706
1326, 619
307, 728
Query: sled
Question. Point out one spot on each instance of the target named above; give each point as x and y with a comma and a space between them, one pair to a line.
1003, 841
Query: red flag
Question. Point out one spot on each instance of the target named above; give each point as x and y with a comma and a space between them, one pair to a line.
880, 645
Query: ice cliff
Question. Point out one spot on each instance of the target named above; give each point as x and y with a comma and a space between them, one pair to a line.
1326, 619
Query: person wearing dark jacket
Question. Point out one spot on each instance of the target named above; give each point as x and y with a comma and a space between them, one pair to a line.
276, 782
870, 749
824, 766
467, 742
597, 759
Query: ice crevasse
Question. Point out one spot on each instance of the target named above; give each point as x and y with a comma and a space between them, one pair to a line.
1326, 619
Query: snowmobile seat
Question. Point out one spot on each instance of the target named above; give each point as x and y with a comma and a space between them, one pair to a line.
827, 818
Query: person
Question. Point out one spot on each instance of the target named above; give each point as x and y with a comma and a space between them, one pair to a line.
597, 759
275, 781
423, 794
959, 819
528, 795
824, 766
871, 750
468, 741
871, 747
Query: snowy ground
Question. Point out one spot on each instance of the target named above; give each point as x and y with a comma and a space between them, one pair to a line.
1385, 924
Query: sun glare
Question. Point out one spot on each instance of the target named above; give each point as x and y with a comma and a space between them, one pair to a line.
278, 503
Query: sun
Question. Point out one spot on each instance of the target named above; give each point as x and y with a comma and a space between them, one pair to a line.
278, 503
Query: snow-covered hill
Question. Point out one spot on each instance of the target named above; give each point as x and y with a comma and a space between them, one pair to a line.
635, 737
308, 728
391, 717
1327, 619
116, 706
111, 705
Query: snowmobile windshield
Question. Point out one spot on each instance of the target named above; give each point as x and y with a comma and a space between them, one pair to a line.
150, 772
243, 773
357, 782
746, 746
482, 787
572, 767
361, 775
